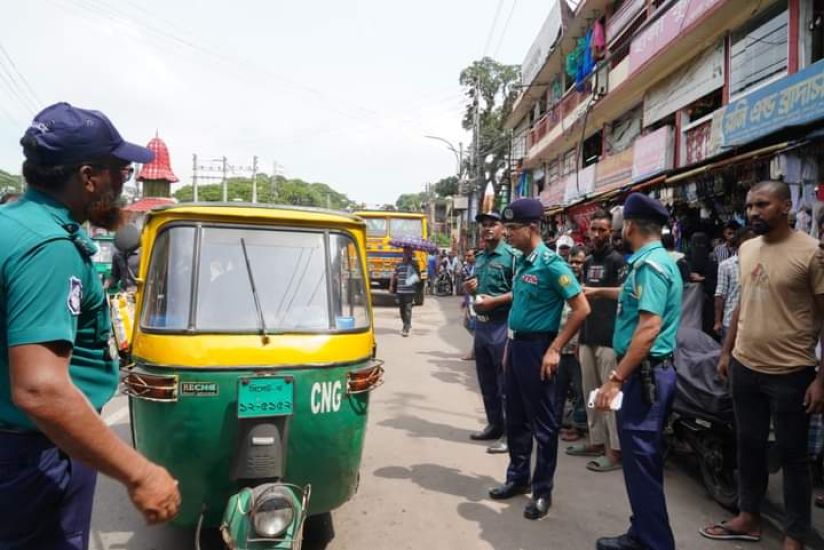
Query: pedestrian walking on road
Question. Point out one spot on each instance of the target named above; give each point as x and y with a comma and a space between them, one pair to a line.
769, 356
491, 289
58, 361
543, 282
604, 270
649, 312
403, 285
469, 317
727, 289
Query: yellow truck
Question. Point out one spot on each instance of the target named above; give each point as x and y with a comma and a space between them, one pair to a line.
381, 227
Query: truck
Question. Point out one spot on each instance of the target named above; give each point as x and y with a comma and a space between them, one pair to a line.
381, 227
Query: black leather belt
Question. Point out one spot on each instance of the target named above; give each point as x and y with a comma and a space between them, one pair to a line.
496, 316
663, 362
532, 336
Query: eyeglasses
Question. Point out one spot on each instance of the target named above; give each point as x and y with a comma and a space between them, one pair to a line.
126, 170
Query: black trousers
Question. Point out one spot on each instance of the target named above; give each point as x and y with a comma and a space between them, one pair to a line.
405, 306
757, 398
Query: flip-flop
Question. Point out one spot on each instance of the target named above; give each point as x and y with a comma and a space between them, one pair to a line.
603, 464
582, 450
570, 436
728, 534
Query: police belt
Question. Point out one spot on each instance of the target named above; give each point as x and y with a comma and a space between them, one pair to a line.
664, 361
495, 316
532, 336
10, 429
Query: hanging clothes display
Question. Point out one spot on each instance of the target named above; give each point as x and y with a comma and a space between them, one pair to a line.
599, 40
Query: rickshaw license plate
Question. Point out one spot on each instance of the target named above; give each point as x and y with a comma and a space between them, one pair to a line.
265, 396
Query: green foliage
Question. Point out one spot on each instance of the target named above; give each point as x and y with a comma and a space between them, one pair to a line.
410, 202
10, 183
443, 240
281, 191
447, 187
494, 100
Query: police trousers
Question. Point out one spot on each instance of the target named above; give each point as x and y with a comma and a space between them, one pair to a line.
45, 496
489, 346
530, 414
640, 428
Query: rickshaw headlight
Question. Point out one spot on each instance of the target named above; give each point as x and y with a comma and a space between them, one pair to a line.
273, 512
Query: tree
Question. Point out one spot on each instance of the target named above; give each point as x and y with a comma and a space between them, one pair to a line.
494, 100
281, 191
10, 183
410, 202
447, 187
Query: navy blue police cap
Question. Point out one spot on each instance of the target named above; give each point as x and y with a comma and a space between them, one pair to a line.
63, 135
640, 206
524, 211
494, 216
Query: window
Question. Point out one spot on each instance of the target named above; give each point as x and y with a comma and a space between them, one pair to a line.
758, 51
348, 286
591, 150
289, 270
305, 282
623, 131
569, 162
169, 283
405, 227
375, 227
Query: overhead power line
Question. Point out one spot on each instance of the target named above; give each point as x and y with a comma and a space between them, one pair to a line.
492, 27
506, 26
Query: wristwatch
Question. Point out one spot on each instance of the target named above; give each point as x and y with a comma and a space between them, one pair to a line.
613, 377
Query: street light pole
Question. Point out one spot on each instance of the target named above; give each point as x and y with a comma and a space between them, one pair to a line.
458, 155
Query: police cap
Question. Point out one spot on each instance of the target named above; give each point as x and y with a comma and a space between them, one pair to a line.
523, 211
494, 216
640, 206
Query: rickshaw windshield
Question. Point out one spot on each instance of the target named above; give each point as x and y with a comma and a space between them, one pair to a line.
105, 252
375, 227
306, 281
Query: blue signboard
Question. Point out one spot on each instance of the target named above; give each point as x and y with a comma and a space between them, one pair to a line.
792, 101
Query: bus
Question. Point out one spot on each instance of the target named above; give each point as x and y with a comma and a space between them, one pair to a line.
381, 227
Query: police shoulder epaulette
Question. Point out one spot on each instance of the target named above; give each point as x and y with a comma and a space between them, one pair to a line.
84, 244
658, 268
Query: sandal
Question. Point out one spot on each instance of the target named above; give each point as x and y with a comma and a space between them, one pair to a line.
722, 532
573, 434
583, 450
603, 464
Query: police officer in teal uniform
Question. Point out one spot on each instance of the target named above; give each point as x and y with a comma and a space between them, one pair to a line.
58, 364
543, 282
491, 288
649, 312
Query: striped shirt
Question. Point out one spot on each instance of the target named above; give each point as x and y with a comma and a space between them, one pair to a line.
403, 274
728, 287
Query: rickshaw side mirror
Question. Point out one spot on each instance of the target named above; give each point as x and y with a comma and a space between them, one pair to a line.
127, 238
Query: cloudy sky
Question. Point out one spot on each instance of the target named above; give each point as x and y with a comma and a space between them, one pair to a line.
337, 91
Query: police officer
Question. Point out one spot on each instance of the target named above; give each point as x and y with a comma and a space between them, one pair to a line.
492, 290
543, 282
58, 366
649, 311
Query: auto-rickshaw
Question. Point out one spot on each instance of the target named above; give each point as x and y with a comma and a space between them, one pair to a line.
253, 355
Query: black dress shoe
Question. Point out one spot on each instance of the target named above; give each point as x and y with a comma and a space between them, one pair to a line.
537, 507
624, 542
487, 434
508, 490
498, 448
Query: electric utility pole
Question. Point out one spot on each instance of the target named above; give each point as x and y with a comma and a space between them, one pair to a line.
254, 179
194, 178
225, 183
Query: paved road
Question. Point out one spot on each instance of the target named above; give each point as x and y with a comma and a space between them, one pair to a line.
424, 483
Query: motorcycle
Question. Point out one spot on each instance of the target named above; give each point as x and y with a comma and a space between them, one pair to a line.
702, 417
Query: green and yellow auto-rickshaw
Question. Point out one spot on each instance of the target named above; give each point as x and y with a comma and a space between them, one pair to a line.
253, 357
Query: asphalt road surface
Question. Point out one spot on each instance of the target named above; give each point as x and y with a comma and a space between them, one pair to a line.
424, 483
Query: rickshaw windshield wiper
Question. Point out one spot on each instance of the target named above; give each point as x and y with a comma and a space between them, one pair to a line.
261, 320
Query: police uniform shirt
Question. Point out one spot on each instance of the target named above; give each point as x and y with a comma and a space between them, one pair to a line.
653, 284
543, 282
50, 292
494, 270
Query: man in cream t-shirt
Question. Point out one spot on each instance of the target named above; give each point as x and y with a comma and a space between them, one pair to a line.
772, 340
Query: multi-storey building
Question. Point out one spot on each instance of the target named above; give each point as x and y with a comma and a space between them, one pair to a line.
691, 100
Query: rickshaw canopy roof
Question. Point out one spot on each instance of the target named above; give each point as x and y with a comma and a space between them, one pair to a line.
256, 213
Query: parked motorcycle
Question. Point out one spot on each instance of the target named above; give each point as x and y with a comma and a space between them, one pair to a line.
703, 416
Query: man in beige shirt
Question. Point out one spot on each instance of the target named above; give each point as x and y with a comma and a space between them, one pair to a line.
769, 354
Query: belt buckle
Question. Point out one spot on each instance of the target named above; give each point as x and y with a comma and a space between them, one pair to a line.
483, 318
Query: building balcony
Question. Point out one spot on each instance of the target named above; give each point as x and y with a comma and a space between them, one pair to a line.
671, 39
